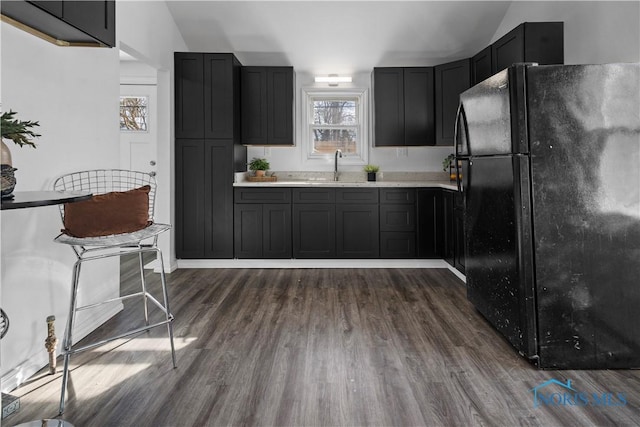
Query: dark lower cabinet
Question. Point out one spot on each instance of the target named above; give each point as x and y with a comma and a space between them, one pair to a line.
458, 230
430, 223
262, 231
449, 236
204, 198
357, 231
314, 230
262, 223
397, 223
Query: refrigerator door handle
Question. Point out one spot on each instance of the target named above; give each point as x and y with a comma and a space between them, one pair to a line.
461, 138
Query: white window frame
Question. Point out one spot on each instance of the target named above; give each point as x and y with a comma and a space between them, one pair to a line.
308, 96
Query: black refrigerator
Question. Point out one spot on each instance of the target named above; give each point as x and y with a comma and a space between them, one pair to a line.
550, 161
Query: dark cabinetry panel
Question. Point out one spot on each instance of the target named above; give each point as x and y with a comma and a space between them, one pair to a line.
481, 66
451, 80
430, 220
314, 230
189, 95
221, 95
404, 106
208, 151
262, 230
541, 42
458, 230
397, 223
204, 199
67, 22
357, 224
267, 105
449, 238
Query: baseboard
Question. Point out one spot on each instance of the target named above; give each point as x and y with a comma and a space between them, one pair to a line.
312, 263
33, 363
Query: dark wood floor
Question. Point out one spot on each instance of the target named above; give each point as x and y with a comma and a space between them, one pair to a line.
310, 347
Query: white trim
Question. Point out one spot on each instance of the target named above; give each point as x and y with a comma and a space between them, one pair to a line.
312, 161
312, 263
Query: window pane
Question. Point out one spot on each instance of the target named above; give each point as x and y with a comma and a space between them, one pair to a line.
327, 141
334, 112
133, 113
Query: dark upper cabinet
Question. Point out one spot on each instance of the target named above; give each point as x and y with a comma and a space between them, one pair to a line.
388, 87
97, 18
207, 95
481, 66
189, 95
404, 106
67, 22
267, 105
221, 96
541, 42
452, 79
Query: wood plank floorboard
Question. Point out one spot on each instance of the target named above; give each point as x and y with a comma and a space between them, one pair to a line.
314, 347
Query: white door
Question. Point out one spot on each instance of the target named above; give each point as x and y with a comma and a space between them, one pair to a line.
138, 140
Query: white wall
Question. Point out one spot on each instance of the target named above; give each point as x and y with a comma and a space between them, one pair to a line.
596, 32
146, 30
73, 92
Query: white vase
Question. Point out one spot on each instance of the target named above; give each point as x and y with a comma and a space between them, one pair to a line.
7, 177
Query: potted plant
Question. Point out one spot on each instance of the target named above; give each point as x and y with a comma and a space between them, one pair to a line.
259, 166
19, 131
371, 171
448, 163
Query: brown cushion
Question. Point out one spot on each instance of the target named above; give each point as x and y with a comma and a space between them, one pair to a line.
110, 213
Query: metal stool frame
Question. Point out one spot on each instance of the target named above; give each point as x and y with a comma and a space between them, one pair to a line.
93, 248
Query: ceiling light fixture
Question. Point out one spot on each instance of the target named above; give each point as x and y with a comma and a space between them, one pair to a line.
333, 79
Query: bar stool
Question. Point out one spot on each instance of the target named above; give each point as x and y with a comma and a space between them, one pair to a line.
117, 220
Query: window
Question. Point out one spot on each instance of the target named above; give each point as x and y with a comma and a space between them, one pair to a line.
134, 113
336, 120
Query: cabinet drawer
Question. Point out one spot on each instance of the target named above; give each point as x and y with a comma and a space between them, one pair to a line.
314, 195
262, 195
357, 195
397, 245
397, 218
397, 195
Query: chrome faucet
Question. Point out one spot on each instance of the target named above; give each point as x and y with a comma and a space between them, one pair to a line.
335, 165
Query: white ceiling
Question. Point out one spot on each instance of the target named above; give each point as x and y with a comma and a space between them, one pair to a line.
339, 36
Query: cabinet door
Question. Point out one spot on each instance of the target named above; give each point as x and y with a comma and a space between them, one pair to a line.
190, 198
248, 230
189, 102
220, 101
481, 66
97, 18
254, 116
430, 221
398, 245
451, 80
314, 230
388, 86
276, 231
357, 232
280, 106
52, 6
218, 203
509, 49
419, 114
449, 237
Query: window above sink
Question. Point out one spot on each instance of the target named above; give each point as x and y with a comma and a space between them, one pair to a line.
335, 119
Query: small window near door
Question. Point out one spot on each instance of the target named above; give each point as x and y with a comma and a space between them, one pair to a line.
134, 113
